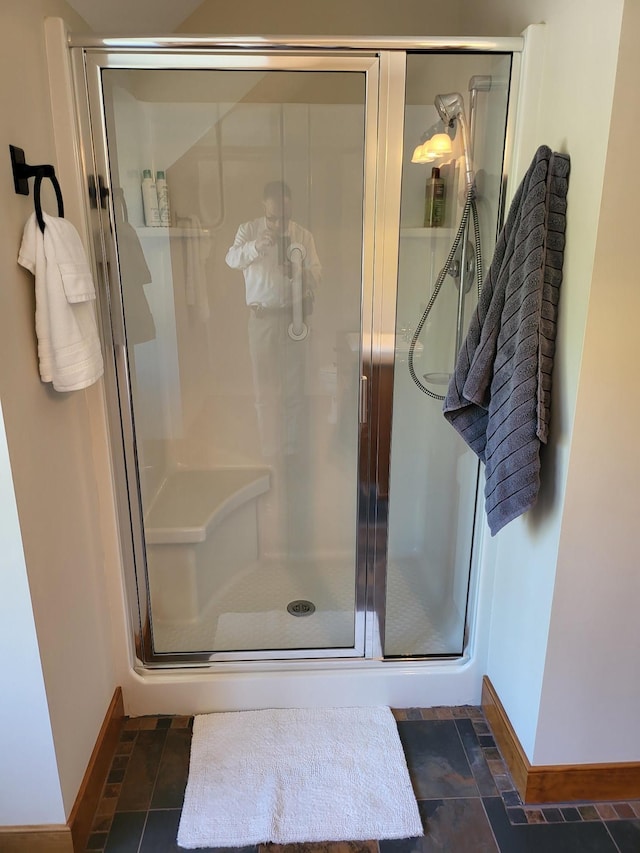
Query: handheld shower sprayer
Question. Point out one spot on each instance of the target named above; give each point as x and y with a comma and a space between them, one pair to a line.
451, 109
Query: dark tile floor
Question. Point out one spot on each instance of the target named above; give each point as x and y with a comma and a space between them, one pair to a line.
465, 794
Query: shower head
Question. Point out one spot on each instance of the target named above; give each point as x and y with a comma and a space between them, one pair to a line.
449, 106
451, 109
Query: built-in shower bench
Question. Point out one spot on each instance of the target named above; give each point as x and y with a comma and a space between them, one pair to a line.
191, 503
201, 531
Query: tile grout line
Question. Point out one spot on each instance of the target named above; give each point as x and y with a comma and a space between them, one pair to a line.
144, 827
466, 755
615, 843
155, 781
493, 835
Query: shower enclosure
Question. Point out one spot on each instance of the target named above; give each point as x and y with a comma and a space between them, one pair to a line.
285, 491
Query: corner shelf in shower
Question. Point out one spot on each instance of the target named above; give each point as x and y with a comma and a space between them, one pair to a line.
190, 503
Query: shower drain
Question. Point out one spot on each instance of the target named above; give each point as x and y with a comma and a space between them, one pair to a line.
300, 607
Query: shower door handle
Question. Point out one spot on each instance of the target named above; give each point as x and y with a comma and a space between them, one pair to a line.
98, 193
363, 404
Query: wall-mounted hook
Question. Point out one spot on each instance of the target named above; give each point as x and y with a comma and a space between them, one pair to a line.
22, 171
18, 167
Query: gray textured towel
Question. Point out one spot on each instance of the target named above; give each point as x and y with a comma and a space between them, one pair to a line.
500, 393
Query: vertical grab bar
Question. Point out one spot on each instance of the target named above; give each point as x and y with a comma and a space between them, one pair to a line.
298, 329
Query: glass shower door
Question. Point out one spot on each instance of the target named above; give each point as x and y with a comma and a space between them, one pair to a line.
433, 473
237, 314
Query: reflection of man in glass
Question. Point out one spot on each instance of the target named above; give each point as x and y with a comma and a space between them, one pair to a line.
267, 251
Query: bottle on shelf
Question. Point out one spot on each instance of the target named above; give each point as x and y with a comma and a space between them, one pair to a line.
163, 199
434, 203
150, 200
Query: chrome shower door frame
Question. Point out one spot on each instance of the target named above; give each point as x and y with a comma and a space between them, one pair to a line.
383, 60
88, 66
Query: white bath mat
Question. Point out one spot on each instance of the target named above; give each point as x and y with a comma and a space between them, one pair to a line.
297, 775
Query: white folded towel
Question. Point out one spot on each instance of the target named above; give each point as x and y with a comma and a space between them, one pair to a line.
69, 351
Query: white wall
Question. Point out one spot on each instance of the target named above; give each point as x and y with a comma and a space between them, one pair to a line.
329, 17
26, 741
49, 436
591, 690
575, 94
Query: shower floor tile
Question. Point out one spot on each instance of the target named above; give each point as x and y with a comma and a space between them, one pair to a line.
466, 797
250, 612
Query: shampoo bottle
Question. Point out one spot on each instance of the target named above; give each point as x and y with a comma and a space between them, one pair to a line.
434, 200
150, 199
163, 199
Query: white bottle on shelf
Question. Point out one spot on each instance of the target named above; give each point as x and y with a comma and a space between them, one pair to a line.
163, 199
150, 199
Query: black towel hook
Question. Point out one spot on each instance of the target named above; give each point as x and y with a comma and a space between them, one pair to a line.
22, 171
40, 174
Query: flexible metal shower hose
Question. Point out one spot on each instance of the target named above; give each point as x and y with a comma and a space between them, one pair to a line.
469, 209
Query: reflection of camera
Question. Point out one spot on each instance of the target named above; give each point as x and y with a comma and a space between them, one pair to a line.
283, 247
